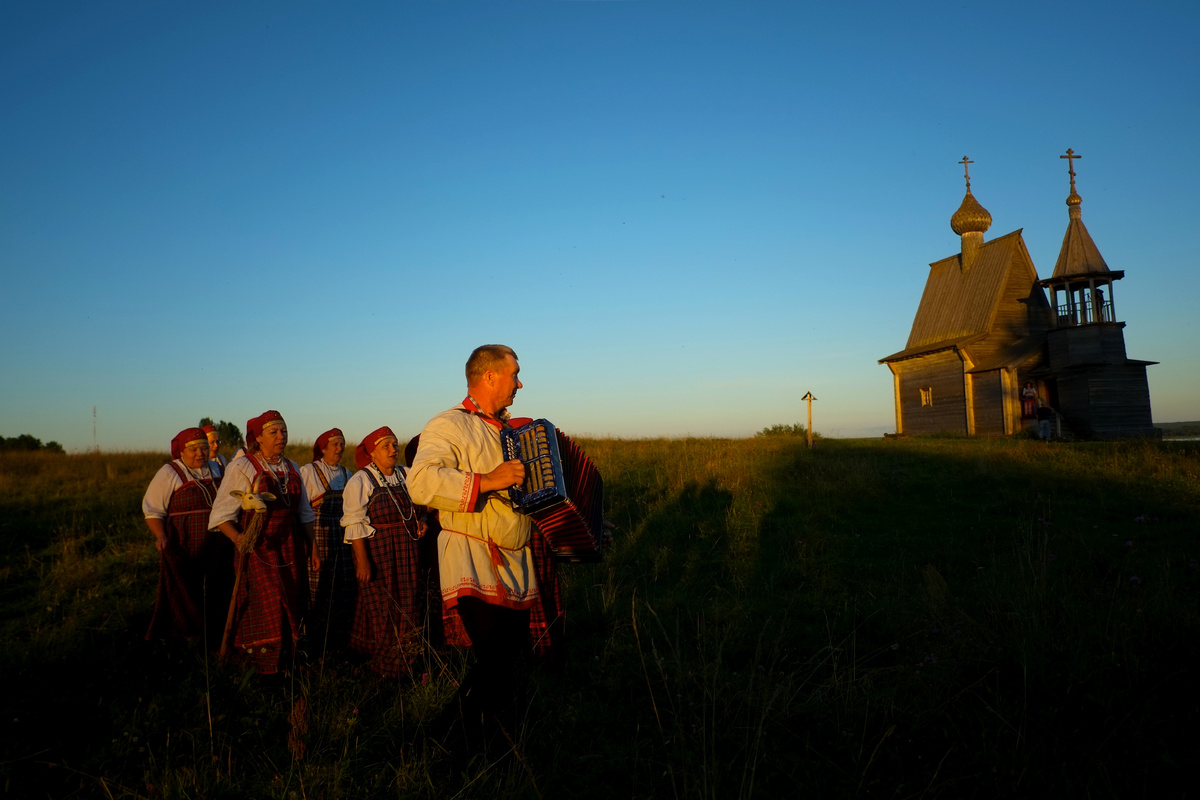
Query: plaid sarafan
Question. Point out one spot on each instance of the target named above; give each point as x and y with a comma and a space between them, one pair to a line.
390, 614
332, 589
274, 589
195, 571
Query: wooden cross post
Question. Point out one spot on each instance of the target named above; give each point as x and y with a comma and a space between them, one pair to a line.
808, 398
966, 174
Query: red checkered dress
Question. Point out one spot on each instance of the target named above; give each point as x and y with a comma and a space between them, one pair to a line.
332, 590
390, 614
195, 574
271, 598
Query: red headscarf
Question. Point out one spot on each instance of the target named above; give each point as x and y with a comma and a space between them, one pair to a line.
254, 427
362, 453
208, 429
251, 444
323, 442
186, 437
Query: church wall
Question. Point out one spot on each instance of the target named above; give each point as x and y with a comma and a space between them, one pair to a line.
987, 390
1086, 344
1074, 401
1023, 309
1120, 401
1106, 401
942, 375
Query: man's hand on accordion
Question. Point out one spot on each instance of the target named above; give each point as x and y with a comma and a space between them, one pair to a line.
510, 473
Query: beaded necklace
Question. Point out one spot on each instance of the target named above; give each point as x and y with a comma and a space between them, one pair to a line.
383, 484
198, 478
278, 477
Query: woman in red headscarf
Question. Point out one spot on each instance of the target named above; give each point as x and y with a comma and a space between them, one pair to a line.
331, 589
272, 595
195, 568
383, 526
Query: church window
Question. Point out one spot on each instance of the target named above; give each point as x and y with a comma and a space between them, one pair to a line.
927, 397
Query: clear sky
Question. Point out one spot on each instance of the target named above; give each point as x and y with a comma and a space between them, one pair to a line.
682, 215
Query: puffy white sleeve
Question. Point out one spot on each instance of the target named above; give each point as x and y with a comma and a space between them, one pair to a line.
355, 499
226, 507
158, 494
312, 484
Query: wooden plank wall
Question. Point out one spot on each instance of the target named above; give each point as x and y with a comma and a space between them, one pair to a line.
1107, 401
943, 372
988, 391
1087, 344
1120, 400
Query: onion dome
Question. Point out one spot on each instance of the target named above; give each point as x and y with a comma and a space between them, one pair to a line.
970, 217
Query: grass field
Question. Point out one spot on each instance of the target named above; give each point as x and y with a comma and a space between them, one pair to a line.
908, 618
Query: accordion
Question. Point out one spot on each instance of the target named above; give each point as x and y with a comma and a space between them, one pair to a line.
562, 493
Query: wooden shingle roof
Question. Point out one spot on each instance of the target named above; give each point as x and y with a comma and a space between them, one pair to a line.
959, 306
1079, 255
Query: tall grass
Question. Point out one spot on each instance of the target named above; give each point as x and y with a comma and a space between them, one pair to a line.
870, 618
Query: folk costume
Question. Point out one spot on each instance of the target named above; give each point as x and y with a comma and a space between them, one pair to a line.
331, 589
484, 559
391, 611
273, 593
195, 570
483, 549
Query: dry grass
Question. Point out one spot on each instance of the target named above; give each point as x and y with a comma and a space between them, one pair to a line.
879, 619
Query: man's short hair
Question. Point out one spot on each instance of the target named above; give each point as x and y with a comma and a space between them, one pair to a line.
485, 357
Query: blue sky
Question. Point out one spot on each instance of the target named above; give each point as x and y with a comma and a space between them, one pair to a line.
683, 216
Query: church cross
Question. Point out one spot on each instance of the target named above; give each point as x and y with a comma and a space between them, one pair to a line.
1070, 157
967, 170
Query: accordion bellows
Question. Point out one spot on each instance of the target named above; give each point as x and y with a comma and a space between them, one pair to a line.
562, 493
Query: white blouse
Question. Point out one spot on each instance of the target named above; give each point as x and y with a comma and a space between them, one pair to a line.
336, 476
165, 483
357, 496
240, 476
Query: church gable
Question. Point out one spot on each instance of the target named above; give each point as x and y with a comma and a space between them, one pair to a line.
957, 303
1020, 316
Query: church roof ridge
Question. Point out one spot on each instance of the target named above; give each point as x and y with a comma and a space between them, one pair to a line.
958, 304
988, 244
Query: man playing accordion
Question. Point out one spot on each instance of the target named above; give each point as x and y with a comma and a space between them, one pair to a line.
485, 564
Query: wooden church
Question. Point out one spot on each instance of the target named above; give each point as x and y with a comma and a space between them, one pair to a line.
987, 348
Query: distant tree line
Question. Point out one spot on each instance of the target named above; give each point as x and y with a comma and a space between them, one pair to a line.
1179, 428
230, 434
786, 430
28, 443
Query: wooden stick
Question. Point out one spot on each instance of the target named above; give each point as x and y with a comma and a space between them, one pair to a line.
237, 582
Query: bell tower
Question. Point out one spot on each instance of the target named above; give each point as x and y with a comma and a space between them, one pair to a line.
1101, 393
